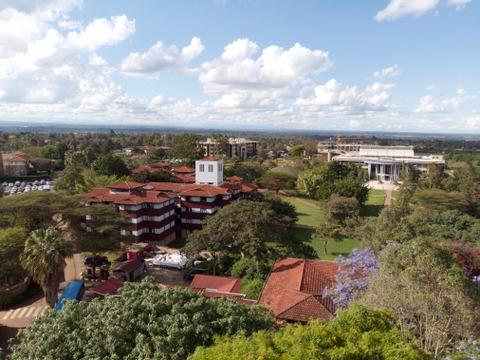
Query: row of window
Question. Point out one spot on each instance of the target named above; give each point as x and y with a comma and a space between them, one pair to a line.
201, 167
145, 206
201, 211
192, 221
160, 230
152, 218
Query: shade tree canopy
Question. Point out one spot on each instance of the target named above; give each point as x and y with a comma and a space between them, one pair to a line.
145, 322
423, 285
356, 333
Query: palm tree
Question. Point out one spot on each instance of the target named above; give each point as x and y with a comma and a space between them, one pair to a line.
44, 258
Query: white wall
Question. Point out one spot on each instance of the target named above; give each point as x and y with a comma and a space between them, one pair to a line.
209, 172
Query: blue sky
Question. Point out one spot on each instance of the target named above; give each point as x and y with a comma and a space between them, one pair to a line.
400, 65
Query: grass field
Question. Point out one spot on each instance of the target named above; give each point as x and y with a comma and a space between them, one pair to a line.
310, 215
374, 203
334, 248
309, 212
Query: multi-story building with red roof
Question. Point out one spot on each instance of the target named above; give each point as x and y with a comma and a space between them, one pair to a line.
161, 210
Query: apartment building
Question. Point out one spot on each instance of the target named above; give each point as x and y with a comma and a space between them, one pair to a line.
161, 210
236, 147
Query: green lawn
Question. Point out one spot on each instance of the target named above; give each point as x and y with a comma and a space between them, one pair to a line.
374, 203
310, 215
309, 211
334, 248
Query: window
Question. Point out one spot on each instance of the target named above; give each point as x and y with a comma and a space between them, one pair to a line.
220, 167
201, 168
210, 168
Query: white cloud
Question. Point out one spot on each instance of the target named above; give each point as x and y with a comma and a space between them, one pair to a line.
473, 122
333, 97
400, 8
160, 57
459, 4
274, 68
387, 72
431, 104
245, 76
96, 60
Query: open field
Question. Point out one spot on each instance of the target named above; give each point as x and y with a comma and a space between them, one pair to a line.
374, 203
309, 211
310, 215
334, 248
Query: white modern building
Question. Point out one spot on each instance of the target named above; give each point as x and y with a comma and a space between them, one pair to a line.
209, 171
384, 162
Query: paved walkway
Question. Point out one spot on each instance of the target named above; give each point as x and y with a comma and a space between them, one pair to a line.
388, 198
20, 316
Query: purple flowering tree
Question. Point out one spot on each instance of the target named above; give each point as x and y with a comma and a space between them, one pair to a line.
353, 276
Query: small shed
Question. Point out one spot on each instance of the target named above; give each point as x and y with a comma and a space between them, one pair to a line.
129, 270
137, 250
108, 287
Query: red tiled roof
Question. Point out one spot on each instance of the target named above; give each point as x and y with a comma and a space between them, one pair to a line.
15, 157
185, 178
248, 187
151, 167
189, 189
234, 178
129, 266
224, 284
237, 297
294, 289
135, 198
125, 185
210, 158
109, 287
183, 169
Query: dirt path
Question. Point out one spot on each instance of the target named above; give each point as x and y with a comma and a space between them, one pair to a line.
74, 268
388, 198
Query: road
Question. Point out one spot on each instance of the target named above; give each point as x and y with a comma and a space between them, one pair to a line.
20, 316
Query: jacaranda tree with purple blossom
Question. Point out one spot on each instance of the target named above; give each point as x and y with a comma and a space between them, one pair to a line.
353, 276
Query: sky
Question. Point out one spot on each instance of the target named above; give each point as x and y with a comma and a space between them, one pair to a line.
377, 65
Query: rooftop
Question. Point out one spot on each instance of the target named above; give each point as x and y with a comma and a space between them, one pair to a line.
223, 284
293, 290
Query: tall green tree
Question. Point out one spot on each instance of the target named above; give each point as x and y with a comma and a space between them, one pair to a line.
356, 333
143, 323
187, 147
44, 259
423, 285
110, 165
12, 241
243, 228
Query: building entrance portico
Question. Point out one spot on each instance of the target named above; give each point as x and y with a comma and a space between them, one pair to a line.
383, 170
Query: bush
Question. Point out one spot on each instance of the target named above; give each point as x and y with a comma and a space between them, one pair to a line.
252, 288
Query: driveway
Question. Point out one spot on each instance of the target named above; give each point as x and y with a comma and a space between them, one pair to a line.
74, 268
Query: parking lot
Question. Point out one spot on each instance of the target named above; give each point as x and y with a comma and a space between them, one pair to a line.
19, 187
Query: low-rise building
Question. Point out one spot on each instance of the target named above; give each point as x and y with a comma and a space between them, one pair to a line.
212, 286
294, 289
235, 147
15, 163
384, 163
